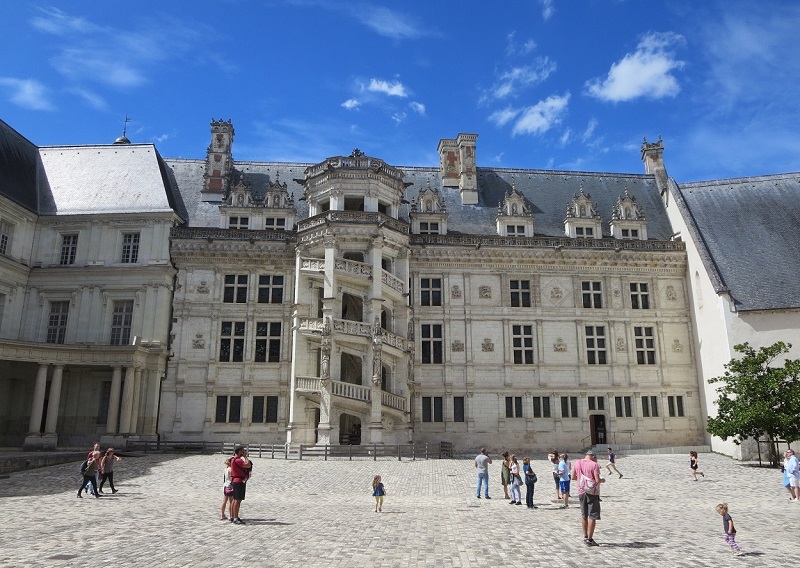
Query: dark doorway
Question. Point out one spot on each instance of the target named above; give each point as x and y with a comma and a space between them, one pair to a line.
597, 422
349, 430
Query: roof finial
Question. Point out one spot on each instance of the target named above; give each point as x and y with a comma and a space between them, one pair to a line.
124, 139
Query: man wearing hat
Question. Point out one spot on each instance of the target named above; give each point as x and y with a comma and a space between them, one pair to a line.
240, 472
587, 473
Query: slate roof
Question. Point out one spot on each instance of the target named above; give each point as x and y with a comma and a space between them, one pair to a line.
104, 179
549, 192
18, 160
749, 237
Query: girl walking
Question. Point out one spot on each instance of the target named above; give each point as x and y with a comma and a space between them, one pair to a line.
107, 469
227, 490
530, 482
516, 482
693, 465
730, 530
378, 491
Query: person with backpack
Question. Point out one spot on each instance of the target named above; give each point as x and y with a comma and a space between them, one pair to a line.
89, 487
587, 473
89, 472
241, 467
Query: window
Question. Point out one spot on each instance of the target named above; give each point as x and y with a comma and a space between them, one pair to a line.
432, 343
596, 345
430, 290
569, 406
640, 296
520, 293
645, 345
592, 294
270, 289
239, 223
623, 406
515, 230
597, 403
675, 404
428, 228
458, 409
6, 234
268, 342
522, 340
513, 407
258, 414
57, 322
650, 406
630, 233
235, 290
231, 344
432, 409
69, 247
541, 407
273, 223
228, 409
584, 231
130, 248
121, 320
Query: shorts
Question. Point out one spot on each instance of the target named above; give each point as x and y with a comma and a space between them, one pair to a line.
238, 490
590, 506
793, 481
564, 486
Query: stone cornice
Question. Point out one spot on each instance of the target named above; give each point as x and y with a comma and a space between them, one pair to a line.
95, 355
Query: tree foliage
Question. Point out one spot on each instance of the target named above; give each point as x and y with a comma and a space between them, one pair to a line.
756, 398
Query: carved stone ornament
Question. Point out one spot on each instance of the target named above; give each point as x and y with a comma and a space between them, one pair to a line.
487, 345
457, 346
203, 287
198, 342
556, 293
620, 344
559, 346
485, 292
677, 347
672, 295
455, 292
617, 292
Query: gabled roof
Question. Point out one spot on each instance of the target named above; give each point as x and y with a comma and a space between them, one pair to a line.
18, 160
749, 230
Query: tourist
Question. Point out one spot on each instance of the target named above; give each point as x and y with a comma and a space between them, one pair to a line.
378, 491
482, 462
227, 490
587, 473
612, 463
693, 465
563, 469
530, 482
107, 469
88, 487
792, 471
505, 474
89, 474
552, 457
515, 480
241, 467
730, 531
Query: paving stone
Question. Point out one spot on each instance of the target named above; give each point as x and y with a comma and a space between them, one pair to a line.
318, 513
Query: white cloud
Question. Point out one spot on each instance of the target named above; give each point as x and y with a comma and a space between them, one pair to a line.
647, 72
498, 159
502, 117
513, 48
565, 137
161, 138
388, 23
590, 128
57, 22
91, 98
26, 93
395, 89
419, 108
399, 117
351, 104
542, 116
511, 81
547, 9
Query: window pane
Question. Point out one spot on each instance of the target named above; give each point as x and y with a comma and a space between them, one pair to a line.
235, 409
509, 407
258, 409
458, 409
426, 409
272, 409
438, 413
546, 407
222, 409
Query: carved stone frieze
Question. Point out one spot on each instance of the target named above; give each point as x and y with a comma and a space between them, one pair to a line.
485, 292
487, 346
457, 346
455, 292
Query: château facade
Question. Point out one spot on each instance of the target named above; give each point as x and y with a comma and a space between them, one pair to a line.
349, 301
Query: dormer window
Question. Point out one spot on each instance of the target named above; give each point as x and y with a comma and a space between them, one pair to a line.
582, 220
275, 223
428, 213
238, 222
515, 230
630, 233
627, 220
514, 217
584, 232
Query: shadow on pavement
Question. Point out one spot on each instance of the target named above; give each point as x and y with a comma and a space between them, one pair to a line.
634, 544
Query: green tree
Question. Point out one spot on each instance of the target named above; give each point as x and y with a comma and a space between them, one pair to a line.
757, 399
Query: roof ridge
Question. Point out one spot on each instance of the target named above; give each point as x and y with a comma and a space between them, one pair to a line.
740, 180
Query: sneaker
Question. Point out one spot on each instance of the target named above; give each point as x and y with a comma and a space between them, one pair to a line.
702, 474
115, 491
534, 507
585, 539
519, 502
512, 502
563, 507
80, 496
591, 542
739, 552
478, 496
240, 521
488, 497
231, 519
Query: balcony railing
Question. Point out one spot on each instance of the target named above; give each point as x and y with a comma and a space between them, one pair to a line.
353, 218
349, 390
353, 267
393, 401
357, 328
392, 281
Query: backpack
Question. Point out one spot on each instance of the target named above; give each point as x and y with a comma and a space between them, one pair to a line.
588, 484
84, 467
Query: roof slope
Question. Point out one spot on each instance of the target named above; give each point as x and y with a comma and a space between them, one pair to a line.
751, 230
549, 192
102, 179
18, 159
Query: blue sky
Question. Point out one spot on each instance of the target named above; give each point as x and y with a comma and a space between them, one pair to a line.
547, 84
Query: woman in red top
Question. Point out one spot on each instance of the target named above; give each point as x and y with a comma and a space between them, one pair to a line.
240, 472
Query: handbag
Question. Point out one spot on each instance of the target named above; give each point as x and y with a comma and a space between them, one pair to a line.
228, 489
533, 478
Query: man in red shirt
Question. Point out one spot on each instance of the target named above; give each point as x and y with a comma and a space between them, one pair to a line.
240, 472
587, 473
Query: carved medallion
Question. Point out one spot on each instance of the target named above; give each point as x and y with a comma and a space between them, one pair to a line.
677, 347
620, 344
457, 346
455, 292
556, 293
559, 346
198, 342
203, 287
671, 294
487, 345
485, 292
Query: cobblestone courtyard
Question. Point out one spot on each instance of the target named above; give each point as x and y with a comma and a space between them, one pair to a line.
317, 513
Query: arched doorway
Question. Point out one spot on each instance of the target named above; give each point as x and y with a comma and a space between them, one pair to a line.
349, 430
